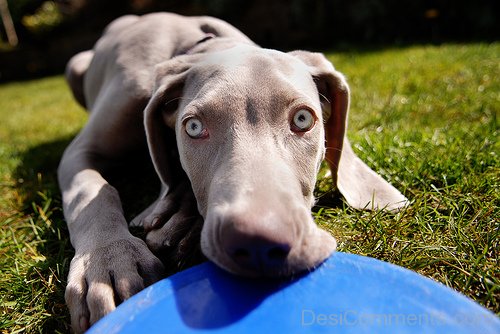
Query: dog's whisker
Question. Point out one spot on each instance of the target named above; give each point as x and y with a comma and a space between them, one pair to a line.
324, 97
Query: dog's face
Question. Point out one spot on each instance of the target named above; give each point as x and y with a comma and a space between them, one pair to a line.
250, 124
250, 135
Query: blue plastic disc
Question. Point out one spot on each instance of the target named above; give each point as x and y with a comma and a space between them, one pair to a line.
346, 294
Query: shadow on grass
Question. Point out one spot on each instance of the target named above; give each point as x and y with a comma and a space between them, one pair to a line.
41, 204
134, 178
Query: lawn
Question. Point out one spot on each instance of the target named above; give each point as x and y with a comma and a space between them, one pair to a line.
425, 117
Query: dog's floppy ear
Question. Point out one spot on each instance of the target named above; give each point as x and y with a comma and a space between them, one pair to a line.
160, 115
361, 187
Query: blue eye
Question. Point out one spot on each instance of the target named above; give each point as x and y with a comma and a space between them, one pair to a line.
303, 120
194, 128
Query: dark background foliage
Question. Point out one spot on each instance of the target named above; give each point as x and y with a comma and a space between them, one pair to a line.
51, 31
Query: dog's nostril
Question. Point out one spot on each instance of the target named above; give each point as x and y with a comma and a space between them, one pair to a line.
277, 253
260, 257
241, 255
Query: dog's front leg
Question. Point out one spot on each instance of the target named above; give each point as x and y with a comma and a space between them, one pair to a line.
110, 264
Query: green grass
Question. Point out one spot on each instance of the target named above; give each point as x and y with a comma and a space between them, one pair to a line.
426, 118
38, 120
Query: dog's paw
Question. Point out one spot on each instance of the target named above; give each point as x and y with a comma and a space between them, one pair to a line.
181, 198
177, 241
101, 278
173, 228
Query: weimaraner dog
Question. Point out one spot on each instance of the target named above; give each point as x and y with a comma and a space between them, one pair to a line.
236, 134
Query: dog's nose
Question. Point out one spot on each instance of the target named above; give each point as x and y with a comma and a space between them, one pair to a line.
257, 246
259, 255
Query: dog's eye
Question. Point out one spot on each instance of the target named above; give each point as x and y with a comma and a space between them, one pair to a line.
194, 128
303, 120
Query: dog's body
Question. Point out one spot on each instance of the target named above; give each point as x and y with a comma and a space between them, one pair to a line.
236, 134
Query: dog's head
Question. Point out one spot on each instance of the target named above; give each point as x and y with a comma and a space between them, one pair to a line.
250, 127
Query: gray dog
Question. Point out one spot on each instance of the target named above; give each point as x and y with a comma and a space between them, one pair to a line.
236, 134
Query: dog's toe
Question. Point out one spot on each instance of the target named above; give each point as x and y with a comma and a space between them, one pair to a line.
177, 242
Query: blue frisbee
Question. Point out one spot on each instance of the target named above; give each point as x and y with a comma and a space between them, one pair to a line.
346, 294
